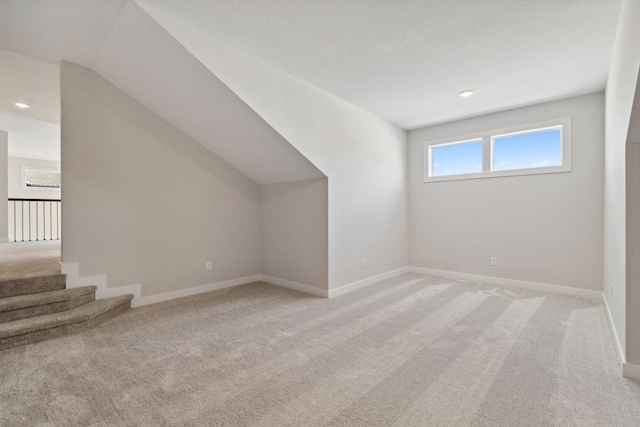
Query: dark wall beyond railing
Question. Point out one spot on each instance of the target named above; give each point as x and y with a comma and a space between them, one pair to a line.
34, 219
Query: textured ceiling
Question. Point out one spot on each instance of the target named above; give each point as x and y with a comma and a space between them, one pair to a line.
406, 61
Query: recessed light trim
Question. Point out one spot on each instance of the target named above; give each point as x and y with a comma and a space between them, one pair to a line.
466, 93
21, 105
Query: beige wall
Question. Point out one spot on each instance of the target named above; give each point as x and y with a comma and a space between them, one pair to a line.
621, 83
4, 186
633, 253
144, 203
15, 179
294, 227
363, 156
543, 228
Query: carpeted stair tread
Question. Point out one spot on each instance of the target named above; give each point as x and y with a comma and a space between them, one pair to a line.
43, 298
79, 314
43, 303
32, 285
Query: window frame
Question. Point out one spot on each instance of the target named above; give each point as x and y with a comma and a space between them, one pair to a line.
487, 138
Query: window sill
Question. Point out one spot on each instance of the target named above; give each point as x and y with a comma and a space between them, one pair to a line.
498, 174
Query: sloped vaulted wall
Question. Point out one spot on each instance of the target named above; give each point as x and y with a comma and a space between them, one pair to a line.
144, 203
363, 156
145, 122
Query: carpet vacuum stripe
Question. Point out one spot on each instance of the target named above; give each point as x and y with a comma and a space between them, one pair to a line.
414, 350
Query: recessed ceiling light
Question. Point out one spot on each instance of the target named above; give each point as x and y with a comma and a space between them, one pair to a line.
466, 93
21, 105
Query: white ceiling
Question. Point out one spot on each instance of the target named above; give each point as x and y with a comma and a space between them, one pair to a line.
118, 40
406, 61
32, 82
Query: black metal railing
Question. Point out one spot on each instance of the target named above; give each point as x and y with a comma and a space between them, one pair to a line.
34, 219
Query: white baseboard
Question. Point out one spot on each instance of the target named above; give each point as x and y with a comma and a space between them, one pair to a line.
332, 293
181, 293
74, 280
366, 282
295, 286
614, 332
629, 370
521, 284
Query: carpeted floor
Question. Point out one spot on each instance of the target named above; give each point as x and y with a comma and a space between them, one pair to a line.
28, 259
410, 351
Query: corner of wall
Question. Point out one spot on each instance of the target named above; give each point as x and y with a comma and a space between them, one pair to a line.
614, 333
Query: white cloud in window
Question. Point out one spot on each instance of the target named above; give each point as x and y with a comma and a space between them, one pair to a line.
502, 163
545, 162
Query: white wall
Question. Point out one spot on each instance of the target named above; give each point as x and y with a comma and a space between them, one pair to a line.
621, 83
143, 202
15, 179
543, 228
294, 232
4, 186
363, 156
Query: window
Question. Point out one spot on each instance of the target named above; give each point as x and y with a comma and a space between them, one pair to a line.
523, 150
457, 158
40, 178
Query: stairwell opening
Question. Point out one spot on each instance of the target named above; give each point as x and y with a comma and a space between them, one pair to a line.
30, 167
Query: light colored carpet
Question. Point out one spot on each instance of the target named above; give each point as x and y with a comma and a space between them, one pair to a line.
410, 351
29, 259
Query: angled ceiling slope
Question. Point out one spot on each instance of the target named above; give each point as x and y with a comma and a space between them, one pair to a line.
119, 41
406, 61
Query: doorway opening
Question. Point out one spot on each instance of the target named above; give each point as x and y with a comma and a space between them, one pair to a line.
30, 167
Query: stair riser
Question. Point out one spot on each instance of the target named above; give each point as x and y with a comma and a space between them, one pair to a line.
10, 288
23, 313
60, 331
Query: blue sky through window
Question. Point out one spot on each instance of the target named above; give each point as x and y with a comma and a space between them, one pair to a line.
524, 151
457, 159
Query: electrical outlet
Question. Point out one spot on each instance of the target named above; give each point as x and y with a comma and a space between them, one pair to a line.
494, 260
363, 263
209, 266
